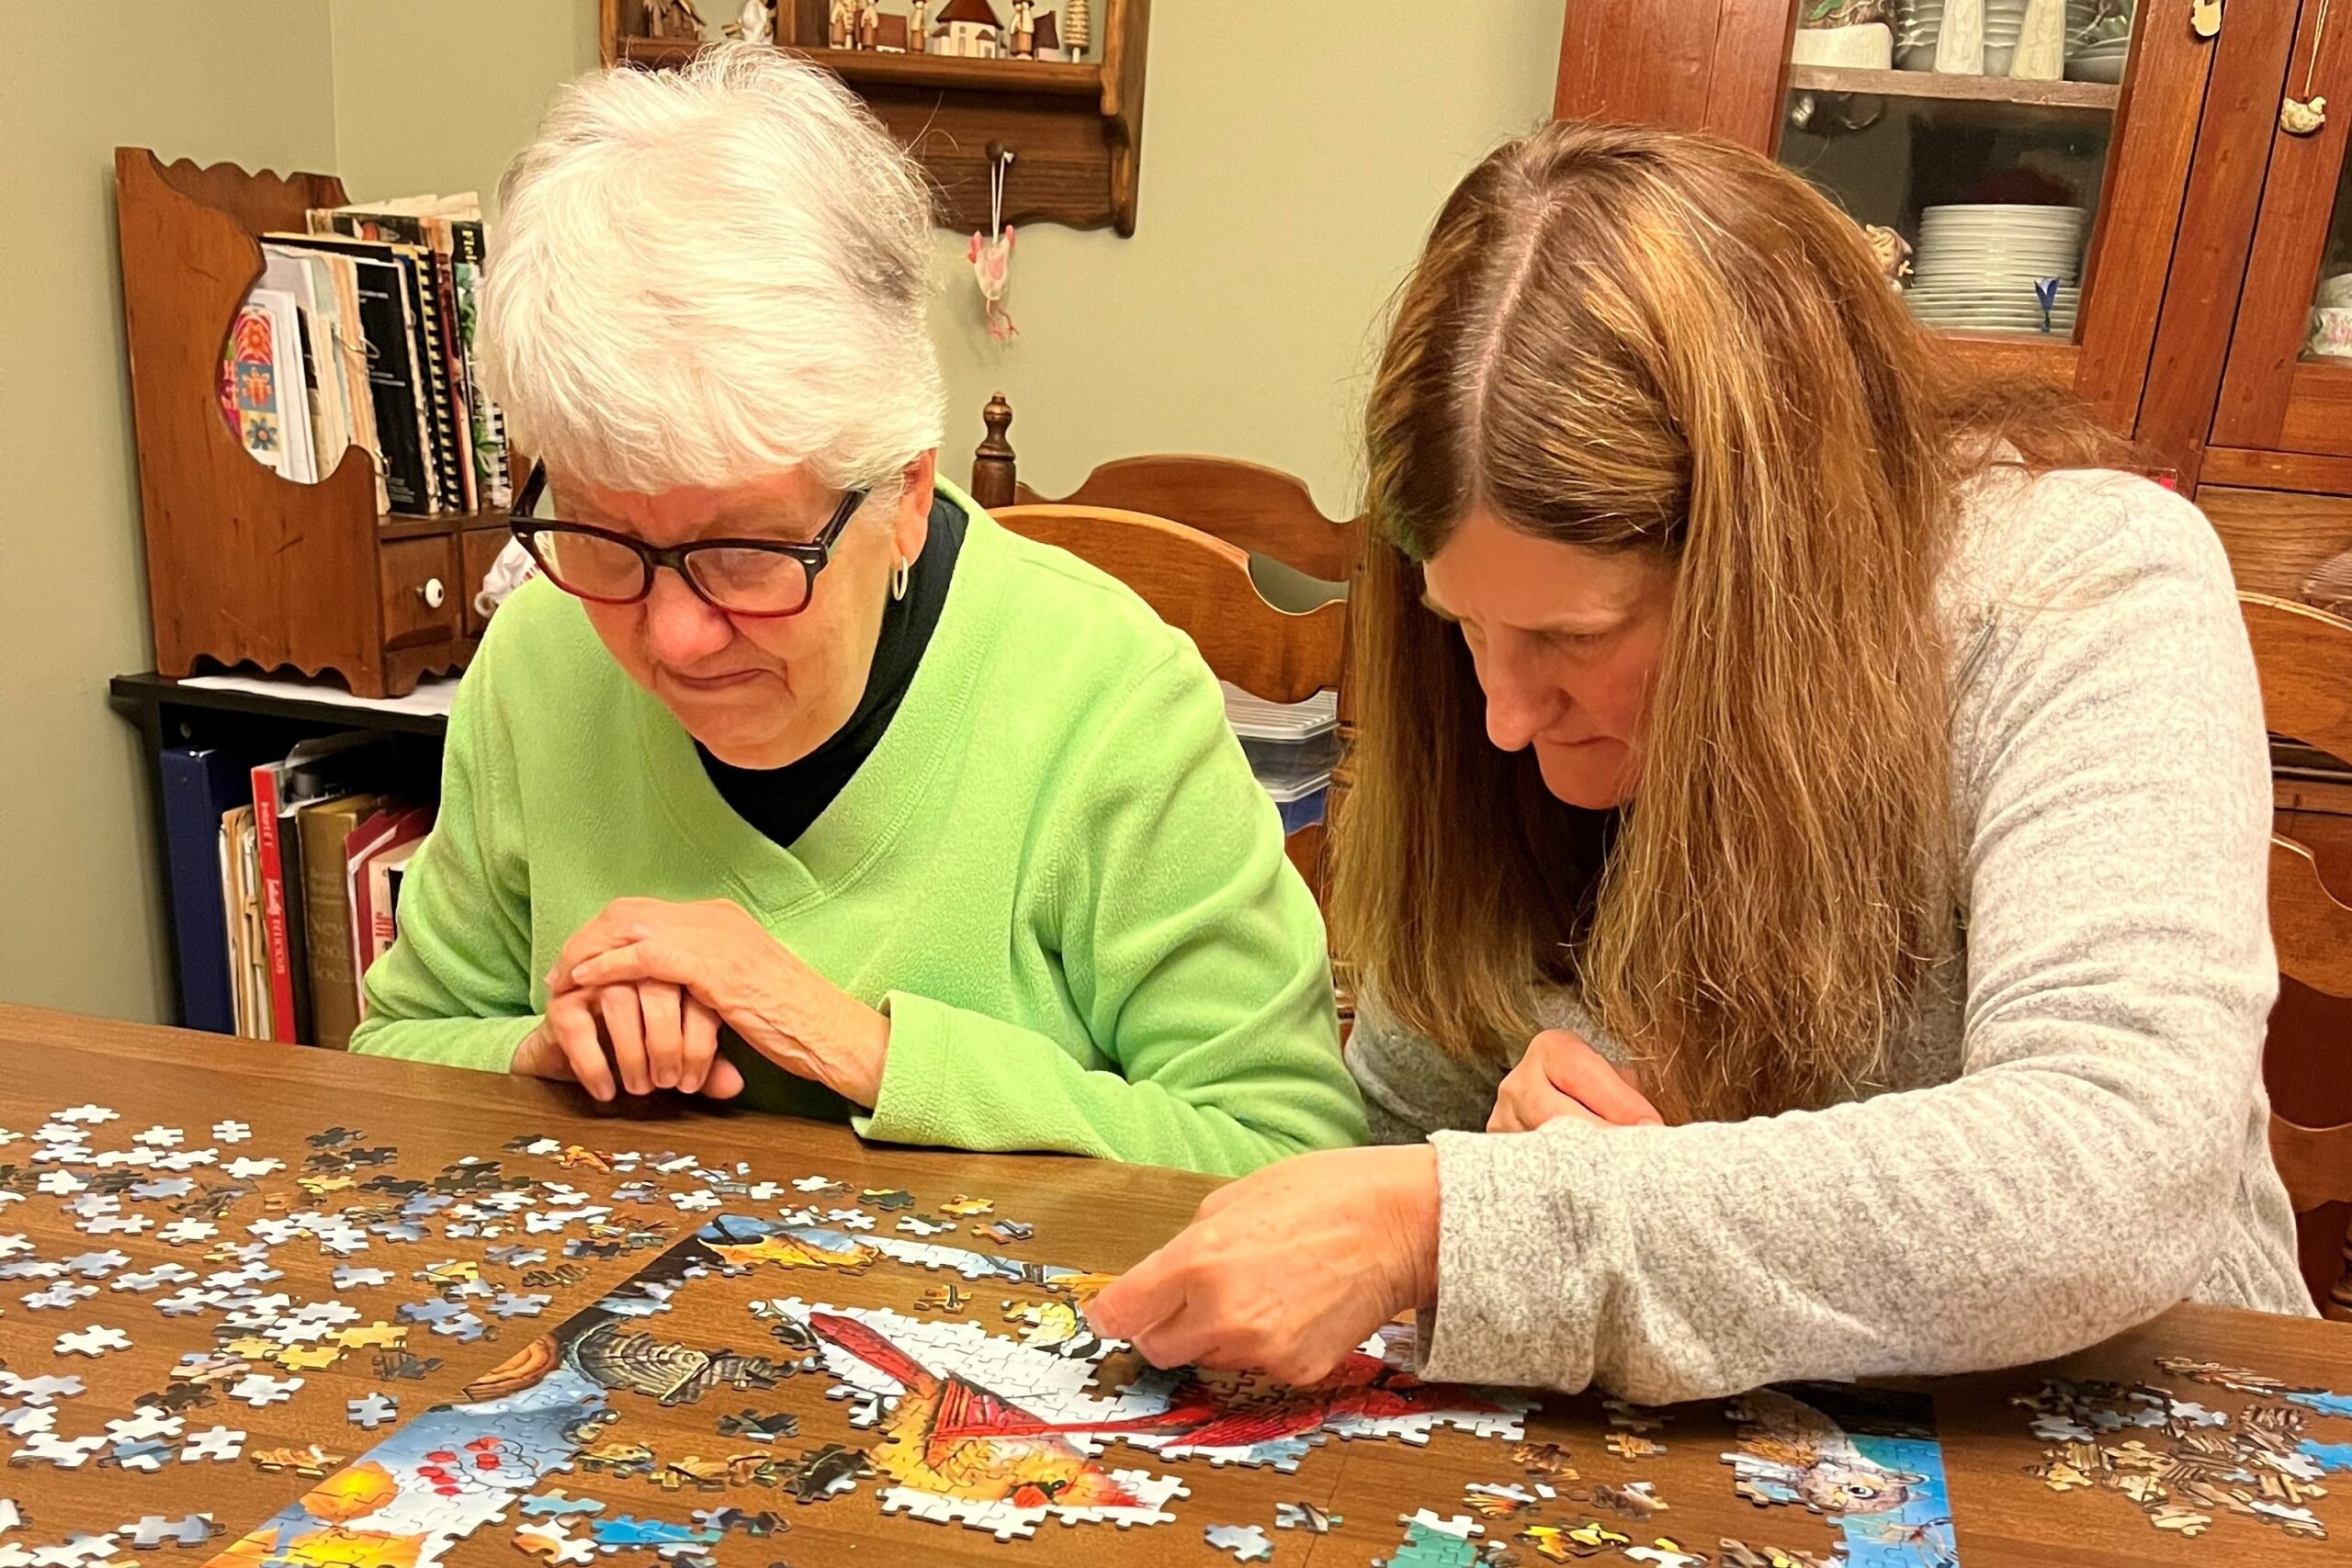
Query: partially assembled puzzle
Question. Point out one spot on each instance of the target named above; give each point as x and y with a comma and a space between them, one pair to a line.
861, 1360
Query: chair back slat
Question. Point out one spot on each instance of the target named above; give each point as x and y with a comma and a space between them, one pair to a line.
1260, 510
1200, 585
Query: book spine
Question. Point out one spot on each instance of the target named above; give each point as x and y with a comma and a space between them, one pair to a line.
453, 363
489, 421
196, 787
273, 904
441, 422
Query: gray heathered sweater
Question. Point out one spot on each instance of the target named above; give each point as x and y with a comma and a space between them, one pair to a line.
2068, 1138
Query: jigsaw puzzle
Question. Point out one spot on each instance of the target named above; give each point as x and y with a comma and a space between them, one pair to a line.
859, 1354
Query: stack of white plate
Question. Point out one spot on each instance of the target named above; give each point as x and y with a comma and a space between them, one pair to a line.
1977, 264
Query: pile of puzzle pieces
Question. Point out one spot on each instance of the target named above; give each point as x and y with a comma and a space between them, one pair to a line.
2186, 1465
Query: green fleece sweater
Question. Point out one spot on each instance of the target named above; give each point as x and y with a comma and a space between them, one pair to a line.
1055, 875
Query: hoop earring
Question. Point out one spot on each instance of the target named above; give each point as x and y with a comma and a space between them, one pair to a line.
898, 579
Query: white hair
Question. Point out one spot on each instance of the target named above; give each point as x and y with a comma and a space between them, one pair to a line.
706, 276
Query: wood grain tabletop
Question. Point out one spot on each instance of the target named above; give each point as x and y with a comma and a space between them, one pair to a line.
803, 1379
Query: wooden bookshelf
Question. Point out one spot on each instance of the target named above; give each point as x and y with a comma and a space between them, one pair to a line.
2091, 96
244, 566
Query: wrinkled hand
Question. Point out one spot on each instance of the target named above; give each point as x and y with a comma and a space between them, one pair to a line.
718, 954
647, 1036
1286, 1270
1562, 1076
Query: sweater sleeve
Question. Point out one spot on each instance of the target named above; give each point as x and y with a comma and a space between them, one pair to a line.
457, 988
1410, 1088
1189, 947
2077, 1177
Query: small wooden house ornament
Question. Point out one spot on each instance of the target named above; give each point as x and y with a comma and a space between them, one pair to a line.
968, 29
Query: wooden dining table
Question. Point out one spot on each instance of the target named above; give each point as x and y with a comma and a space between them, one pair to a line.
297, 1162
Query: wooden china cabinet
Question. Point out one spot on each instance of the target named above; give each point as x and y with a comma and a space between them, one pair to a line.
2210, 226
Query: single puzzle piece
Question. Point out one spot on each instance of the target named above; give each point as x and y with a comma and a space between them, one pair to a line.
94, 1341
371, 1411
259, 1389
547, 1504
1429, 1546
758, 1428
1248, 1543
154, 1530
554, 1541
1305, 1516
1632, 1446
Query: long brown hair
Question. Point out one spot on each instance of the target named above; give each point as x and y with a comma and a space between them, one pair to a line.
1630, 339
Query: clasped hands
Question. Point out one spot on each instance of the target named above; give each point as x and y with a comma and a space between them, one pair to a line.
1290, 1269
637, 996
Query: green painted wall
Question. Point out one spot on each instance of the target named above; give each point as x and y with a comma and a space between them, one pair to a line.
250, 83
1293, 158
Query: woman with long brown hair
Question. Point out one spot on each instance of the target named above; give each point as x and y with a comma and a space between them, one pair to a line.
1865, 781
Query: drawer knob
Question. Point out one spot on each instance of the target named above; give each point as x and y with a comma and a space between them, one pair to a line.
432, 593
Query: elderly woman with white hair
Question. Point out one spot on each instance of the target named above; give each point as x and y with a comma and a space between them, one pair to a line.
799, 782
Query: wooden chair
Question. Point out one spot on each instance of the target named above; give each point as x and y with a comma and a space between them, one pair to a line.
1257, 509
1201, 586
2305, 658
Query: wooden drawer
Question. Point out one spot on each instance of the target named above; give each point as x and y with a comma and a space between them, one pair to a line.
422, 596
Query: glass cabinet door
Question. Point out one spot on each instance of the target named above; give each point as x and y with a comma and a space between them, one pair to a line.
1974, 138
2288, 383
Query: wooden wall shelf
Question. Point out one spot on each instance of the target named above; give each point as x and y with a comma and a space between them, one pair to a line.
2093, 95
1075, 129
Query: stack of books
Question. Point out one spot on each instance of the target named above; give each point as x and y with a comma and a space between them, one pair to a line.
360, 333
284, 883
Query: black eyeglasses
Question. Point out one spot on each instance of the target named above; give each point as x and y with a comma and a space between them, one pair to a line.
741, 576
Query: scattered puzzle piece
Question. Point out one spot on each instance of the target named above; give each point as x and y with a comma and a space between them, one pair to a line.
371, 1411
1248, 1543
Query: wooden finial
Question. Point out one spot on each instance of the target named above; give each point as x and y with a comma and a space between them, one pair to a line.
993, 463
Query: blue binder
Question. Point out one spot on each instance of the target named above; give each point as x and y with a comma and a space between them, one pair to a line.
200, 784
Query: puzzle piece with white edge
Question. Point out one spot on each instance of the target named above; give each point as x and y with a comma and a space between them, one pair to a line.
1307, 1516
1664, 1553
1461, 1525
90, 1115
94, 1341
553, 1539
219, 1444
371, 1411
245, 1170
232, 1132
66, 1453
154, 1530
258, 1389
1248, 1543
550, 1505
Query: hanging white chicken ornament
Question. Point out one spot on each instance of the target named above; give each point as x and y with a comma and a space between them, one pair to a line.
992, 254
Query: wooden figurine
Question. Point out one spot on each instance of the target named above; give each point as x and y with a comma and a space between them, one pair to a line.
869, 25
755, 24
919, 27
1022, 42
672, 19
841, 25
1078, 27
